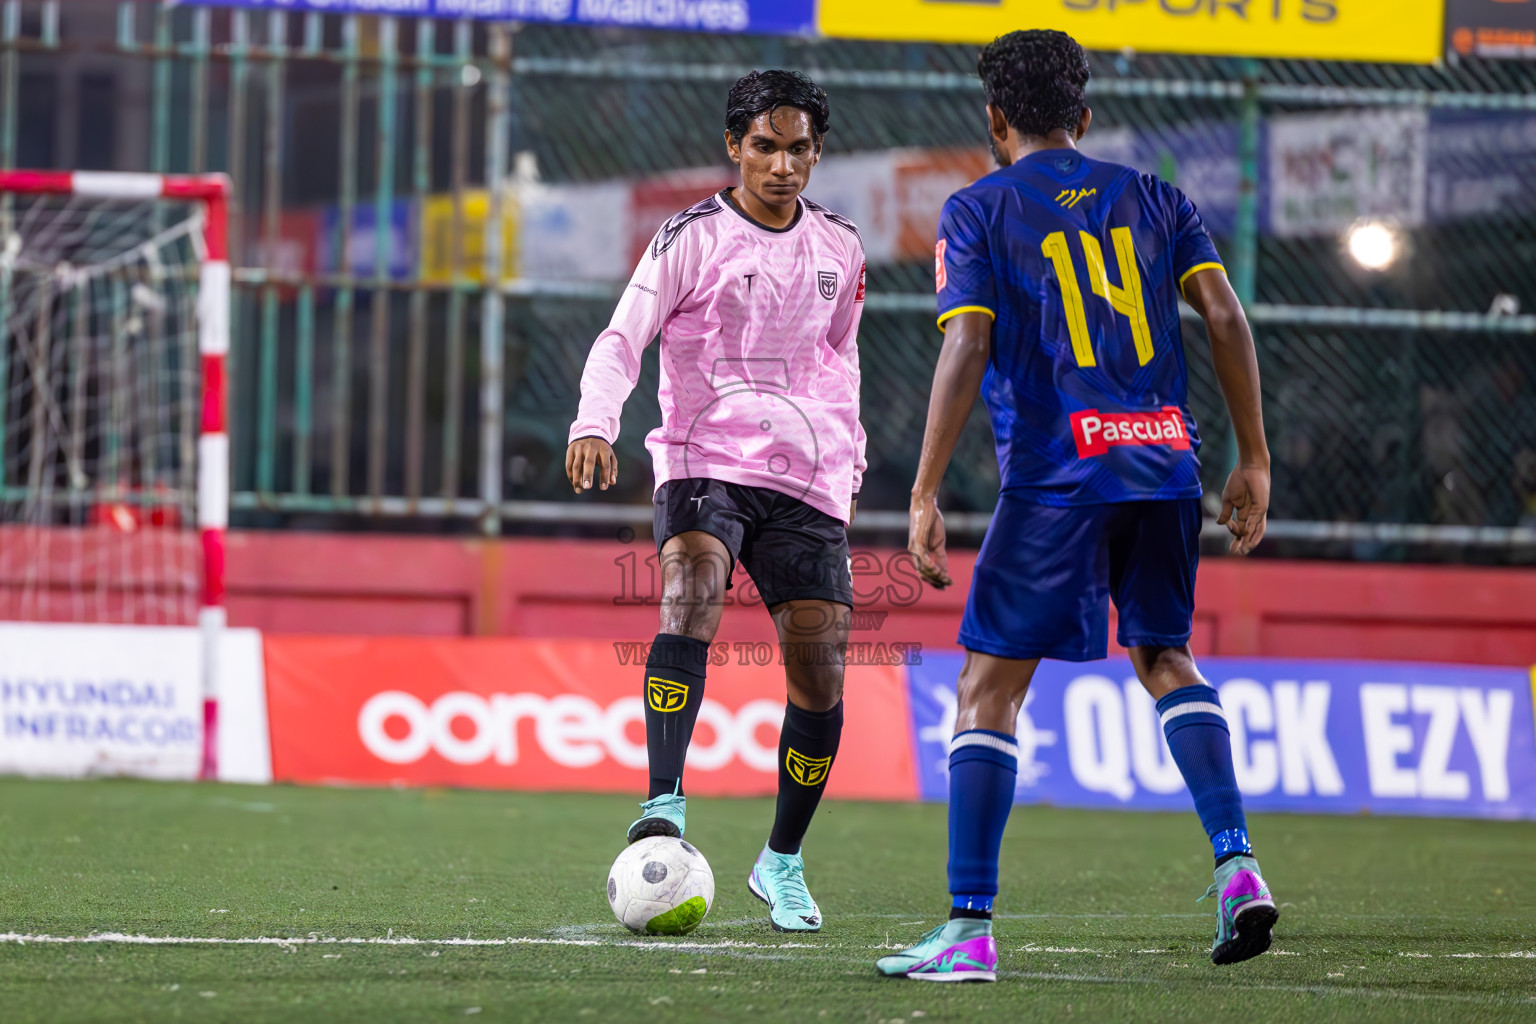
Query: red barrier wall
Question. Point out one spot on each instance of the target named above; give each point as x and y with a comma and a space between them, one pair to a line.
350, 584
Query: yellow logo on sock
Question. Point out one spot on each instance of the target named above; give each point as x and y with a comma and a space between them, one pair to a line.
808, 771
664, 695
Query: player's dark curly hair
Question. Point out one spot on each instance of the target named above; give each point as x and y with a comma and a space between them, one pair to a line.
766, 91
1038, 79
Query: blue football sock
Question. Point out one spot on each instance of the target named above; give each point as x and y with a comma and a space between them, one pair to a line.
1197, 735
983, 769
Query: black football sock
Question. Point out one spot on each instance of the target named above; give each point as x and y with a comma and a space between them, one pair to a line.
674, 689
807, 748
969, 914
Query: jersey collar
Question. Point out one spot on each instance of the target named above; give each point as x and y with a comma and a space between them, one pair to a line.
730, 204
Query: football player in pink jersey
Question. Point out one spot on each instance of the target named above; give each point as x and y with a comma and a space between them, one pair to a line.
757, 294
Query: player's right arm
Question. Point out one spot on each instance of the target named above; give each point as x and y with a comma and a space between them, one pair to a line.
613, 365
956, 383
967, 310
1245, 500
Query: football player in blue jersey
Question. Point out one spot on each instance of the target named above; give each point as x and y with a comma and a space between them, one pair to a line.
1059, 279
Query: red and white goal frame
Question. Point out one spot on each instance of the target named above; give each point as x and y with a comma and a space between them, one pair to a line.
212, 191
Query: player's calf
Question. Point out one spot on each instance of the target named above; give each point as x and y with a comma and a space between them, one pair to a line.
674, 692
983, 769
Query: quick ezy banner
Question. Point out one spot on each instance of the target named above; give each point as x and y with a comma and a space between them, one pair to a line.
1307, 736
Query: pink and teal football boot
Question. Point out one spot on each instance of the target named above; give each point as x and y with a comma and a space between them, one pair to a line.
958, 950
1245, 912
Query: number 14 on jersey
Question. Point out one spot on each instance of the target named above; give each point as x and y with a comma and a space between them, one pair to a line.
1125, 298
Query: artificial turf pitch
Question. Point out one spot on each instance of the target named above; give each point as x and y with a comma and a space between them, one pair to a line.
1382, 919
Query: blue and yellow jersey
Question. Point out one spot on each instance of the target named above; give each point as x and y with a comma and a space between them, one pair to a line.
1080, 265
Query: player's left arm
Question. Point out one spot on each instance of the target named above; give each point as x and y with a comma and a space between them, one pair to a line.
844, 338
967, 310
1245, 499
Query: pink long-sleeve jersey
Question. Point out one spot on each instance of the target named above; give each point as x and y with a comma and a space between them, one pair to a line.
759, 353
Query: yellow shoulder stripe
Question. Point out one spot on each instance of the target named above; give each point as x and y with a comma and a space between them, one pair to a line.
964, 309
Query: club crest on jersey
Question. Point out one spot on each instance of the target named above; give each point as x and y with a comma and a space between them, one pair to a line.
827, 282
664, 695
807, 771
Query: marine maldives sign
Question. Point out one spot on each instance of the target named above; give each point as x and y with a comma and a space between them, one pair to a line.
1330, 737
765, 17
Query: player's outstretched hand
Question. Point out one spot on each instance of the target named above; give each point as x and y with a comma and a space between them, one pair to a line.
925, 541
589, 454
1245, 507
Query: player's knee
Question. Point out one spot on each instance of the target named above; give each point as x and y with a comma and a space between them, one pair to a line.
975, 689
699, 620
694, 578
992, 689
813, 621
1165, 669
691, 606
816, 690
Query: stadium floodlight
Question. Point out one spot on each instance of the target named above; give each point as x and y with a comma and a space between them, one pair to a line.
1373, 244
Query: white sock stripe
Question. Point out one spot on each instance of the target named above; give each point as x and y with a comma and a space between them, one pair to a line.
1194, 707
984, 739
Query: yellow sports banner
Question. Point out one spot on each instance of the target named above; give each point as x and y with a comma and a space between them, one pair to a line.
1408, 31
438, 264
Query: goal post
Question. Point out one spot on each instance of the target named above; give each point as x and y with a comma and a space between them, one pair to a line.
114, 445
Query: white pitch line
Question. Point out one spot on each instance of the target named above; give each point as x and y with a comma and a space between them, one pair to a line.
1516, 955
655, 942
1318, 990
121, 938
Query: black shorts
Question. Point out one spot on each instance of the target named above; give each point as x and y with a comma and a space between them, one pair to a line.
793, 551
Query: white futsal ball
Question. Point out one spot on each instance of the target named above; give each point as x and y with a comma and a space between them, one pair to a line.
661, 886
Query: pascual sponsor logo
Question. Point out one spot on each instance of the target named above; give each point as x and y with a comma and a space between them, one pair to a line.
1096, 432
571, 730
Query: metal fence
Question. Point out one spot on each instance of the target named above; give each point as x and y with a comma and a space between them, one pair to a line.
377, 377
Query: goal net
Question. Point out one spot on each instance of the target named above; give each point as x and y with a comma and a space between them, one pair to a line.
113, 458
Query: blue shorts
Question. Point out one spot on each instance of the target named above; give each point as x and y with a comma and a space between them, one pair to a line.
1045, 575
